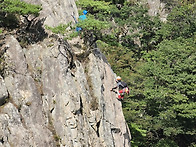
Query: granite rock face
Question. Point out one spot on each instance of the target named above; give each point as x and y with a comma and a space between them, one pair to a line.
52, 95
56, 12
157, 8
56, 98
3, 92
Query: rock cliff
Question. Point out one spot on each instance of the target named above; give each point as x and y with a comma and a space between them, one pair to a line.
156, 7
52, 96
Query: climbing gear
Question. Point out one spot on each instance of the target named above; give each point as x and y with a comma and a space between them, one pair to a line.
122, 84
85, 12
118, 78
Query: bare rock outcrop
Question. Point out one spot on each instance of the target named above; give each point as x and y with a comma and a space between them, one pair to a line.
57, 100
157, 8
3, 91
56, 12
52, 96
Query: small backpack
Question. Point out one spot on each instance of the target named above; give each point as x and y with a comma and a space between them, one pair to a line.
124, 84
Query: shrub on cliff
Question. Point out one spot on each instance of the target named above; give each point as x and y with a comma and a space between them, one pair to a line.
21, 16
11, 9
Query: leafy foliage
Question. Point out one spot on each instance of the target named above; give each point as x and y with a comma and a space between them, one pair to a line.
93, 24
92, 29
181, 22
95, 6
19, 7
170, 86
157, 60
60, 29
116, 1
11, 9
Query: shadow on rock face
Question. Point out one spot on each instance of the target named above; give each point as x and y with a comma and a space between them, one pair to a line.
32, 33
3, 100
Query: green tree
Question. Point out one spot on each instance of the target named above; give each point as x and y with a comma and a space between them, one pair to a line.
10, 9
180, 22
92, 30
169, 81
94, 26
99, 9
137, 29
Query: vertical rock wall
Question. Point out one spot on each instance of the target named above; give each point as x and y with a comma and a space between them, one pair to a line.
56, 12
156, 7
49, 96
50, 103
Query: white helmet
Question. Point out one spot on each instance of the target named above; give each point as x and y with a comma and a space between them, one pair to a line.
118, 78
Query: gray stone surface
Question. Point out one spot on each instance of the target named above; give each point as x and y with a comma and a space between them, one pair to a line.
57, 98
56, 12
52, 104
156, 7
3, 92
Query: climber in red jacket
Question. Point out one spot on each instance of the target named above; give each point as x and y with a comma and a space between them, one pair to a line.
122, 88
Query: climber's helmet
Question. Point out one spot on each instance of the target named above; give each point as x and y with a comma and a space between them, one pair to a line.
85, 12
118, 78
